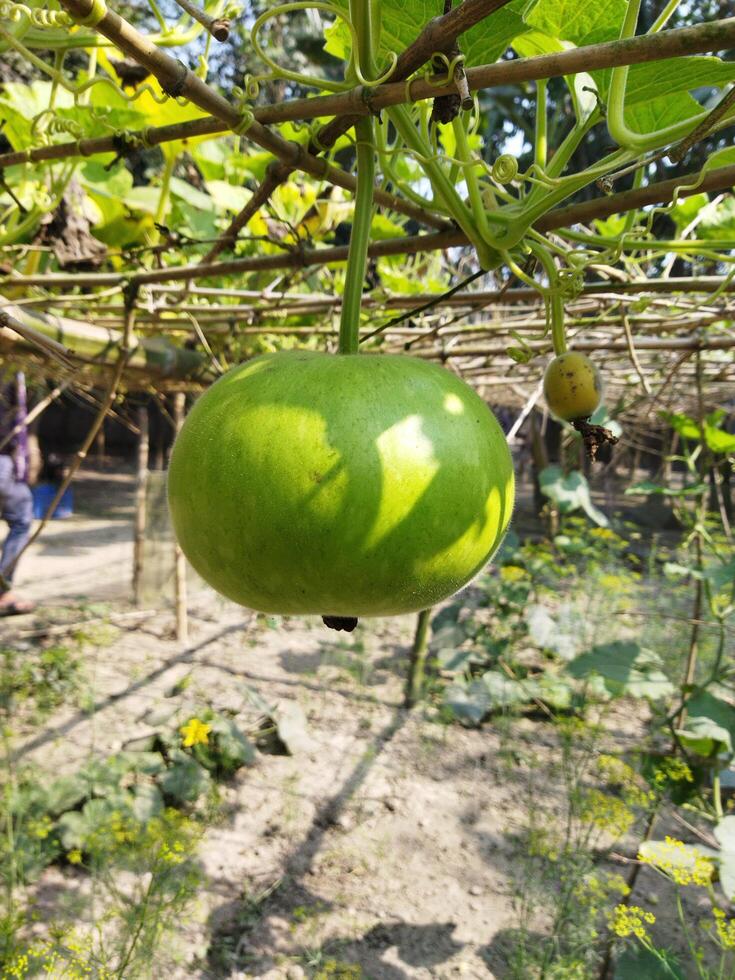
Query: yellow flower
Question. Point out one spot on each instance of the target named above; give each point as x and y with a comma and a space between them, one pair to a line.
725, 929
195, 732
512, 573
629, 920
606, 812
74, 856
680, 863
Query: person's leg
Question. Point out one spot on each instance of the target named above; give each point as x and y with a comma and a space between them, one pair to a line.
16, 503
18, 514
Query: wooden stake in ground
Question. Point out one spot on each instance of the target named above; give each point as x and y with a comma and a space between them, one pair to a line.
182, 619
140, 503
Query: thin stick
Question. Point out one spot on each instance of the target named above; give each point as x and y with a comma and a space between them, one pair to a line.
525, 412
140, 504
182, 619
417, 662
633, 353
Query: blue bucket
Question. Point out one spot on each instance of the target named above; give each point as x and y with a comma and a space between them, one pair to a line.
44, 493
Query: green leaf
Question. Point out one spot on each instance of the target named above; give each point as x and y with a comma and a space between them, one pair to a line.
185, 780
226, 196
66, 793
570, 493
725, 834
504, 691
455, 661
710, 727
147, 802
469, 703
231, 749
401, 22
193, 196
625, 668
640, 963
551, 689
580, 23
657, 92
338, 40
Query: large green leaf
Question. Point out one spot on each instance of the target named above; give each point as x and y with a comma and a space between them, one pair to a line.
185, 780
469, 703
570, 492
580, 23
625, 668
710, 727
401, 22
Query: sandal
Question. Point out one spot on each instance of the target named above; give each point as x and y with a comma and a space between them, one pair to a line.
16, 607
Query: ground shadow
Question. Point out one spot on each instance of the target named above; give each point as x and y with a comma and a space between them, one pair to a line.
227, 920
50, 734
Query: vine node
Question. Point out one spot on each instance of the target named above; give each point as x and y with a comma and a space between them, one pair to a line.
176, 88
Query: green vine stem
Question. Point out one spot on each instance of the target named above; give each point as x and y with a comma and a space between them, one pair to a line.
469, 169
540, 149
363, 61
554, 298
616, 125
349, 325
401, 118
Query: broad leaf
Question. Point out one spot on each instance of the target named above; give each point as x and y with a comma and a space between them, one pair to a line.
580, 23
468, 702
625, 668
710, 726
504, 691
185, 780
570, 493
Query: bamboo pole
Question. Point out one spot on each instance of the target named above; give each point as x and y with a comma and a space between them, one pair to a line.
140, 504
182, 618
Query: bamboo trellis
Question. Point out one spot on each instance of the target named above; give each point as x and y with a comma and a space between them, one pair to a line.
646, 331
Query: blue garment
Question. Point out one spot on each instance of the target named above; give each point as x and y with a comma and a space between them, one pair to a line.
16, 509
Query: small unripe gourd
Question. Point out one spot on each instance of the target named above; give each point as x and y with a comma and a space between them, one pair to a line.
572, 386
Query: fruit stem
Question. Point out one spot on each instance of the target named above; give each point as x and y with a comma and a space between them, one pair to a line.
349, 326
364, 14
558, 334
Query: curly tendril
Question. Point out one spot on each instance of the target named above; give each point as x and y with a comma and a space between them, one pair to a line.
40, 17
431, 78
311, 80
505, 169
46, 123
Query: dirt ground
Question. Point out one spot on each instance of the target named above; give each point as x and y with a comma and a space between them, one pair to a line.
388, 841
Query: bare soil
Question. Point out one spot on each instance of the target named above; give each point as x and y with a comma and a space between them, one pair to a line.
388, 842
